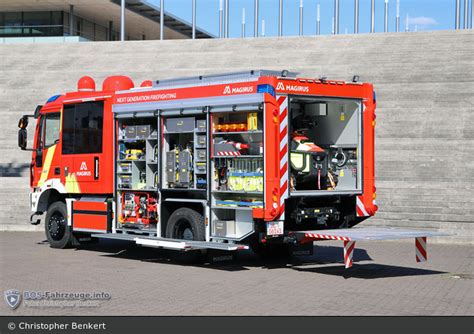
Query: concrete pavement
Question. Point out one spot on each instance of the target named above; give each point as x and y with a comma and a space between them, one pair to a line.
385, 280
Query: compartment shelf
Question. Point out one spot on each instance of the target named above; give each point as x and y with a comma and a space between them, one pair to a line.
136, 190
136, 160
221, 133
236, 156
233, 208
182, 189
258, 193
174, 133
132, 140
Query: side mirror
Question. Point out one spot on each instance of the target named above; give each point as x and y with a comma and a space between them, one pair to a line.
22, 138
23, 122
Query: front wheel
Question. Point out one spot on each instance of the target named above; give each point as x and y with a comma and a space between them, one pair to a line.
58, 233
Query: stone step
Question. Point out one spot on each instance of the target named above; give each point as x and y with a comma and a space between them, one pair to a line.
426, 216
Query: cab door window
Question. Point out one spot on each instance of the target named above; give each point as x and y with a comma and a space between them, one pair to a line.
82, 128
51, 130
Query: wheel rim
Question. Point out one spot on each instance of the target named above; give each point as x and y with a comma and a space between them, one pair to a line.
184, 231
57, 226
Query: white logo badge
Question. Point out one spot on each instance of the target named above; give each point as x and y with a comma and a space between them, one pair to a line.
12, 298
83, 166
280, 86
227, 90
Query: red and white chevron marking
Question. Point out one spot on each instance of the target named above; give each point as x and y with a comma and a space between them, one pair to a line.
421, 254
225, 153
360, 208
283, 102
348, 252
325, 237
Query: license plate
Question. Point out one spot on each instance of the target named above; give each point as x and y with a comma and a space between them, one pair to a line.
275, 228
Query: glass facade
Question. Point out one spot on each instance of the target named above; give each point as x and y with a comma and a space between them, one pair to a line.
51, 23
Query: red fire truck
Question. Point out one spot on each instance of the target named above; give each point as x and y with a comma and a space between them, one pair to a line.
261, 158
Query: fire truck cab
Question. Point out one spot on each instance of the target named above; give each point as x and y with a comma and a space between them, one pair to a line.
222, 162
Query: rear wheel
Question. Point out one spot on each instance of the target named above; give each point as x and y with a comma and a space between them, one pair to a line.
187, 224
58, 233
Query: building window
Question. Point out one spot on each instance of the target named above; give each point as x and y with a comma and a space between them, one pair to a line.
31, 24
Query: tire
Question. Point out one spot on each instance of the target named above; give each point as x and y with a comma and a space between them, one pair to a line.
193, 221
58, 233
186, 224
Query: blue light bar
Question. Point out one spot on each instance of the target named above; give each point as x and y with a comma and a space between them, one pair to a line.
266, 89
53, 98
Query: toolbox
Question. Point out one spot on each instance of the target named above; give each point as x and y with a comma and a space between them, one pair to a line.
200, 155
131, 132
124, 181
222, 228
143, 131
201, 125
201, 140
125, 167
181, 124
200, 167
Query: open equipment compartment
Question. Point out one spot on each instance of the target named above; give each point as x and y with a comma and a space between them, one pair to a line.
326, 146
184, 149
237, 167
137, 175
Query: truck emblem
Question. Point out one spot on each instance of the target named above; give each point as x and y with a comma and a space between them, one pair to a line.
280, 86
12, 298
227, 90
83, 166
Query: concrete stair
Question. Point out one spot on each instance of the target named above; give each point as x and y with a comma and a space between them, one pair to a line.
424, 83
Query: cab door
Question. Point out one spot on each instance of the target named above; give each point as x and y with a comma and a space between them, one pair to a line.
82, 141
46, 162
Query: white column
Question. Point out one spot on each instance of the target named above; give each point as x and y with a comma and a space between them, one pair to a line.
318, 20
356, 16
122, 20
301, 17
263, 28
466, 14
336, 17
385, 25
372, 17
162, 19
280, 19
255, 20
194, 19
226, 20
221, 17
457, 24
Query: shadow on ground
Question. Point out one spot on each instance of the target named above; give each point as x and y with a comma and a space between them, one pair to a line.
326, 260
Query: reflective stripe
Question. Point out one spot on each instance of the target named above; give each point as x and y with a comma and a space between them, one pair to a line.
361, 207
283, 102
